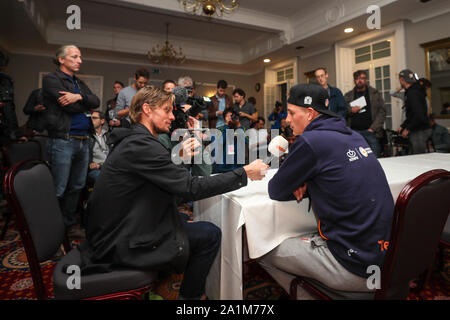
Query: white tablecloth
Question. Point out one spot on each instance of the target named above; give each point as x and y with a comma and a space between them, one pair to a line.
268, 222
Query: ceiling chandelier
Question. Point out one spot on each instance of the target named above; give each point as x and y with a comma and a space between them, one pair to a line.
210, 7
166, 54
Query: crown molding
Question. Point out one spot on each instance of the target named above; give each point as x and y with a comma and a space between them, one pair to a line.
429, 12
321, 18
120, 40
35, 15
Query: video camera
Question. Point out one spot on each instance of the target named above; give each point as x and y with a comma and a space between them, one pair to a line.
182, 98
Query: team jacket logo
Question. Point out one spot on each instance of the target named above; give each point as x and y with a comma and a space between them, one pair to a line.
363, 152
308, 100
352, 155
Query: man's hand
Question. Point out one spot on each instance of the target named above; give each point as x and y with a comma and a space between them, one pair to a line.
219, 113
186, 107
113, 123
356, 109
256, 170
243, 114
190, 148
300, 192
193, 123
370, 130
23, 139
405, 133
94, 166
68, 98
39, 108
399, 130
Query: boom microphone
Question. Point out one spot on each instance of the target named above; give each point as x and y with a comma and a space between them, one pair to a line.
181, 95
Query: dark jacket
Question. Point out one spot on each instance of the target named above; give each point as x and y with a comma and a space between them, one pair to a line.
36, 121
337, 102
276, 117
8, 119
416, 109
377, 107
133, 218
348, 190
213, 107
57, 118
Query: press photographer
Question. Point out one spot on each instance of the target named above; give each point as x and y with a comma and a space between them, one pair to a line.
186, 105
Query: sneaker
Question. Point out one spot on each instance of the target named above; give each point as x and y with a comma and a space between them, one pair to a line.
154, 296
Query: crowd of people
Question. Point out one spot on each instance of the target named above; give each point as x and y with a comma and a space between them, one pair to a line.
125, 154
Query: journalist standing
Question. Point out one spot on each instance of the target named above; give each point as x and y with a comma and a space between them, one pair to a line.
416, 127
68, 101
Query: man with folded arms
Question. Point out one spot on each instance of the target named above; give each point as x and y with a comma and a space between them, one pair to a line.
349, 194
68, 102
133, 216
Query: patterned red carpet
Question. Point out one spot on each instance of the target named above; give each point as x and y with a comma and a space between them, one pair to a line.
16, 282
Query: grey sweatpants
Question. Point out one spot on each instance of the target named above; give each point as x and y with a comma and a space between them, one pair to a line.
308, 256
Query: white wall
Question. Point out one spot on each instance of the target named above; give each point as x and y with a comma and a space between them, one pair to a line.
326, 59
437, 28
429, 30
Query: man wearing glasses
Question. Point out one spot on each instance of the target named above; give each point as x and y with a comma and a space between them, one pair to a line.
98, 149
336, 102
368, 117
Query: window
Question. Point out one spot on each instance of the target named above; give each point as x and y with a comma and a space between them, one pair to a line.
383, 85
373, 52
285, 74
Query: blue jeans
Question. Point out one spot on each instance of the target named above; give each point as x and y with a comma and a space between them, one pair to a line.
69, 160
372, 141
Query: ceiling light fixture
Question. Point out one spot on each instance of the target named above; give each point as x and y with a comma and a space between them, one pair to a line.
267, 60
166, 54
210, 7
348, 30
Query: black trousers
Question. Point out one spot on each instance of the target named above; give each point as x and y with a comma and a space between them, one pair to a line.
204, 243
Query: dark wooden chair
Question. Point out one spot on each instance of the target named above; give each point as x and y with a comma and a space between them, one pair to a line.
30, 191
13, 153
421, 211
445, 243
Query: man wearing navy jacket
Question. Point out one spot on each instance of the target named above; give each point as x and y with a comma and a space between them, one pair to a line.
349, 194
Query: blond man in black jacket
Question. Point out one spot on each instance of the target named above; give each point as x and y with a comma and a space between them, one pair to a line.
133, 214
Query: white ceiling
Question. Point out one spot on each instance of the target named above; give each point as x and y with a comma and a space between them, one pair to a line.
126, 29
284, 8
